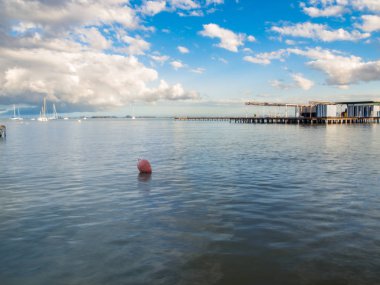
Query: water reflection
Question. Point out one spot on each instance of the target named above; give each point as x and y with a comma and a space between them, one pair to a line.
144, 177
144, 182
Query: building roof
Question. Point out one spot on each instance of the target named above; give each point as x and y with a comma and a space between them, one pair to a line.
359, 102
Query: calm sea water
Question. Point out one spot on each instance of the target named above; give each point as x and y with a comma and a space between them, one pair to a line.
226, 203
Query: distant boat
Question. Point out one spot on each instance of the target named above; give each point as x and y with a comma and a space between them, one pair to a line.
133, 113
65, 118
18, 117
55, 114
42, 117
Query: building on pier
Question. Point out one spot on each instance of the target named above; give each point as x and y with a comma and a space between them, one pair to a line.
363, 109
321, 109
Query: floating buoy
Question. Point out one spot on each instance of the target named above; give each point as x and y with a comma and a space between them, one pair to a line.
144, 166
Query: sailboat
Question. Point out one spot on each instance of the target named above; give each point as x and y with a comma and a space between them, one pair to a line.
18, 117
55, 114
42, 117
133, 113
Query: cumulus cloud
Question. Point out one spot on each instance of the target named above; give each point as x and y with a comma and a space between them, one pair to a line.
88, 78
334, 8
177, 64
341, 70
319, 32
302, 82
62, 15
58, 52
266, 58
326, 12
183, 49
323, 8
371, 23
251, 39
228, 39
184, 4
369, 5
213, 2
153, 7
159, 58
299, 81
94, 38
136, 46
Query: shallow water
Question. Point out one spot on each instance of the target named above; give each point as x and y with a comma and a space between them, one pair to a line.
226, 203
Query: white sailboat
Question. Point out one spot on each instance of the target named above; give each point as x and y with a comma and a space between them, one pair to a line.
55, 114
133, 113
18, 117
42, 117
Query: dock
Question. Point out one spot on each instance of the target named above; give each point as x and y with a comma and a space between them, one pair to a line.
3, 131
288, 120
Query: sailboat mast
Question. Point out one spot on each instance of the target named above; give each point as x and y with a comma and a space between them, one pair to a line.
44, 108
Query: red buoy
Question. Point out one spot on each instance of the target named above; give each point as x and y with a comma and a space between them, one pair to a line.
144, 166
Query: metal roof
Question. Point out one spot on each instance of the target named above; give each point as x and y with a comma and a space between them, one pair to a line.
359, 102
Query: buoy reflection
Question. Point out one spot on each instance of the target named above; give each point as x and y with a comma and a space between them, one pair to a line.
144, 177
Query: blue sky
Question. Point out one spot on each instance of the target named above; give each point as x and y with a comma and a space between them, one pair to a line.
186, 57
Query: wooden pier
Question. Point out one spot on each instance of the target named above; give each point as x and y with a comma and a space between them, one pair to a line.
288, 120
3, 131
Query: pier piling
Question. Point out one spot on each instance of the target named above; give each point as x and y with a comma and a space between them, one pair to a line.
288, 120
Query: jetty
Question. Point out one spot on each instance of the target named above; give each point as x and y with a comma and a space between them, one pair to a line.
286, 120
3, 131
314, 113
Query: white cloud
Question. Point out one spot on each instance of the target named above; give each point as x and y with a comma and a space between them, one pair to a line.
279, 84
184, 4
290, 42
94, 38
370, 5
177, 64
371, 23
167, 92
319, 32
183, 49
87, 78
160, 58
214, 2
323, 8
60, 16
198, 70
153, 7
266, 57
251, 39
228, 39
302, 82
341, 70
137, 46
299, 81
335, 8
58, 52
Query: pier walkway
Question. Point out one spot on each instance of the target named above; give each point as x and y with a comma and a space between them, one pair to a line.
288, 120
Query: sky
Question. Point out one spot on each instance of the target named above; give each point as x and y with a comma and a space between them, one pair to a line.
185, 57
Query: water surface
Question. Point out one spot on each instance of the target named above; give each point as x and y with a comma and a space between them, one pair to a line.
226, 203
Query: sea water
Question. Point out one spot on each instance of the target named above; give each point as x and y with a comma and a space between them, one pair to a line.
226, 203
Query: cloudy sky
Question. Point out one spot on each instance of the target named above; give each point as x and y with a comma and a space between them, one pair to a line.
186, 57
